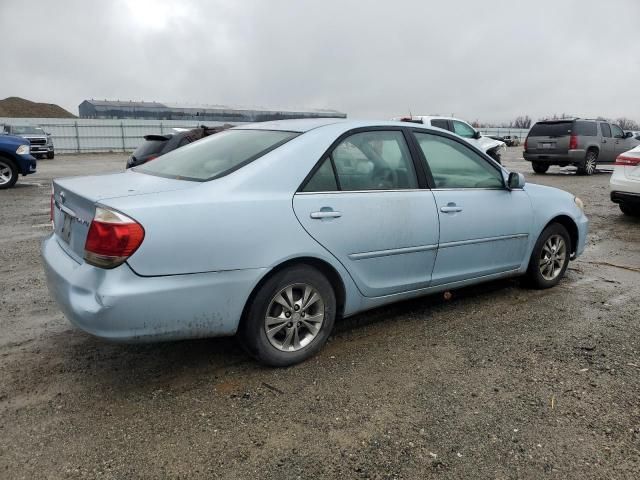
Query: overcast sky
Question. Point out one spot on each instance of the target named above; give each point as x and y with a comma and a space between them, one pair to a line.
490, 60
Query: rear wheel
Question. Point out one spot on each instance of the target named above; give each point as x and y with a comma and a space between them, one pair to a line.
540, 167
8, 173
629, 210
290, 317
550, 257
588, 167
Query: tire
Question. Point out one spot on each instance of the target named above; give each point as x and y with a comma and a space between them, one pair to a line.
590, 163
629, 210
8, 173
51, 155
496, 156
547, 266
267, 310
540, 167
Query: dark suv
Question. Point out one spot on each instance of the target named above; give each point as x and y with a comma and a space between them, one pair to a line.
156, 145
580, 142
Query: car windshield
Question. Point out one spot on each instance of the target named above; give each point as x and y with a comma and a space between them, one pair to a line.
216, 155
551, 129
27, 130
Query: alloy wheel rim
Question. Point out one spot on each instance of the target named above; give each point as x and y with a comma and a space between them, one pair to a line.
591, 165
552, 257
294, 317
5, 173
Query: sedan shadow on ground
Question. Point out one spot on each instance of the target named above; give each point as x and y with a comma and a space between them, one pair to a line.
182, 364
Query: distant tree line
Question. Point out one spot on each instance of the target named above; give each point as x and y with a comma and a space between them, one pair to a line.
524, 121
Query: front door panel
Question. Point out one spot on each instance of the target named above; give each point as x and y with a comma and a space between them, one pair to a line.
487, 232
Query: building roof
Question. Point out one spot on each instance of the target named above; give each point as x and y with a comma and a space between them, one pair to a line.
204, 107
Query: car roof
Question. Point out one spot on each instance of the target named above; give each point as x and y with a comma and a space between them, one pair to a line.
305, 125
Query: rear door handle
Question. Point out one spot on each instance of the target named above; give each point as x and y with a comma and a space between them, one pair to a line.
325, 214
451, 208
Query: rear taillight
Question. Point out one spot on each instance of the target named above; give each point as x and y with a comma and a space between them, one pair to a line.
112, 238
573, 142
627, 161
526, 141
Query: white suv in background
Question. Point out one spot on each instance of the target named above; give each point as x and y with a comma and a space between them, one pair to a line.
625, 182
491, 147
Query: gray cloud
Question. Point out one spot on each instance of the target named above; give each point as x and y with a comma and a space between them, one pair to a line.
479, 60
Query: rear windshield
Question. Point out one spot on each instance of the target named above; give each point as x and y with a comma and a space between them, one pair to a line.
149, 147
216, 155
551, 129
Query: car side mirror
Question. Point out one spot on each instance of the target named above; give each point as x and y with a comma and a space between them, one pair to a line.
628, 135
477, 135
516, 180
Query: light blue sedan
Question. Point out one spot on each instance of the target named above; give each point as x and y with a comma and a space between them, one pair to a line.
273, 231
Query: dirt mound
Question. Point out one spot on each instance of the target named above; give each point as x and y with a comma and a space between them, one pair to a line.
21, 108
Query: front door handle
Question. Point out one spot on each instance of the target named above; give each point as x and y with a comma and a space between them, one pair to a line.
325, 213
451, 208
604, 141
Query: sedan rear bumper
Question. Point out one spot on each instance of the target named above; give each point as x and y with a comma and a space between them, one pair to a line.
626, 198
119, 305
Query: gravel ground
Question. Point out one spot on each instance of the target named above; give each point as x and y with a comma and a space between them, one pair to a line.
499, 382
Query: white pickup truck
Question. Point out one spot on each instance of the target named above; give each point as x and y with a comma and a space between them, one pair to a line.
493, 148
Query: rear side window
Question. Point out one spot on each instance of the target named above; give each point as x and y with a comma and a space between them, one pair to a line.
377, 160
149, 147
585, 128
606, 130
216, 155
551, 129
440, 123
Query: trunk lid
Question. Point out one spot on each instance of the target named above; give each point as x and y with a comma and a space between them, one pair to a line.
75, 198
550, 137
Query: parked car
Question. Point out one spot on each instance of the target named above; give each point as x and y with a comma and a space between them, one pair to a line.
625, 182
40, 141
581, 142
15, 160
275, 230
155, 146
493, 148
512, 140
634, 134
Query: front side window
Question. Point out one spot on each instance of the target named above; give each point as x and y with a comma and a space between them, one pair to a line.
606, 130
463, 129
216, 155
454, 165
617, 131
376, 160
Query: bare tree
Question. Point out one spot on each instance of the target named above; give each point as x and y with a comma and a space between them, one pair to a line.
522, 122
627, 124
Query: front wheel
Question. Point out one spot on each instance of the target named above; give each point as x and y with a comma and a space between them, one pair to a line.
8, 173
550, 257
290, 317
540, 167
51, 155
